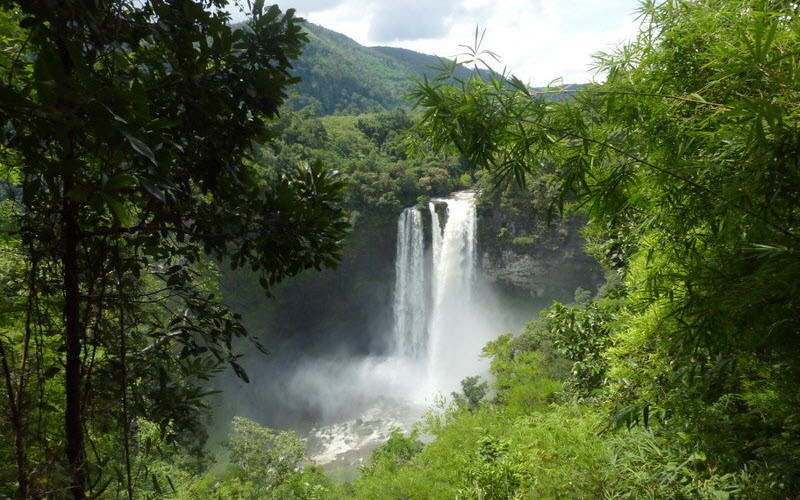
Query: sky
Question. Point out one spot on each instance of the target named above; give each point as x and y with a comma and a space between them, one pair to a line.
538, 40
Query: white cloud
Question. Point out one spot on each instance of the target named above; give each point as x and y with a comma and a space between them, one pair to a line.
539, 40
413, 19
307, 5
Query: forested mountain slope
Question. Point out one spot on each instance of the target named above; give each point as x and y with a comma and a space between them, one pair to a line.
340, 76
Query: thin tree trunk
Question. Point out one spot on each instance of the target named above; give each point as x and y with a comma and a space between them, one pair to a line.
73, 425
126, 426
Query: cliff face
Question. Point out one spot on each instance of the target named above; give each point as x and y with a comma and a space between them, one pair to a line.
345, 307
545, 259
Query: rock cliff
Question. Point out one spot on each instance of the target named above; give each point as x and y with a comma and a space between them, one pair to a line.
546, 258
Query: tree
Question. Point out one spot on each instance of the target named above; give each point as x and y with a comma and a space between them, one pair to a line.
380, 127
686, 161
473, 390
125, 145
267, 458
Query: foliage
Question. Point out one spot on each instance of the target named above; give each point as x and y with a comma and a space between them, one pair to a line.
685, 162
520, 380
582, 337
126, 161
369, 151
339, 76
117, 184
473, 390
581, 295
524, 241
492, 453
378, 128
651, 465
494, 474
264, 464
398, 450
265, 456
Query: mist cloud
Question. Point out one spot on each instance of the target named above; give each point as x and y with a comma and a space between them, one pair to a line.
394, 20
413, 19
304, 6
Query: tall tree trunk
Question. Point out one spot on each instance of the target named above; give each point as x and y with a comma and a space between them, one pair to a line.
73, 424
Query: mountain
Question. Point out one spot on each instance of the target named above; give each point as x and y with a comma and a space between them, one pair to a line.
340, 76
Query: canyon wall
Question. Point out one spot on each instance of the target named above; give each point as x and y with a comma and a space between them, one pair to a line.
545, 258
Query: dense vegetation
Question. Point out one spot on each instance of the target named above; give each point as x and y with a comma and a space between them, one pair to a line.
126, 163
677, 379
686, 162
370, 152
339, 76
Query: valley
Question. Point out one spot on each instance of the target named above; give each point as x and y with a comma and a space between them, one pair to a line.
259, 260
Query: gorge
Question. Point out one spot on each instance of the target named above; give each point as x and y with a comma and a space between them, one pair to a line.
439, 308
443, 314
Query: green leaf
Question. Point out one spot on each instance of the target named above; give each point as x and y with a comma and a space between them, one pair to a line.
156, 486
698, 98
78, 193
152, 189
120, 182
258, 8
118, 210
141, 148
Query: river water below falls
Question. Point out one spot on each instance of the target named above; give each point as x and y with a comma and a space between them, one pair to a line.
351, 442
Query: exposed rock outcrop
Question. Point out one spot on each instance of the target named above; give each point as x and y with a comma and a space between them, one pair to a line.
546, 259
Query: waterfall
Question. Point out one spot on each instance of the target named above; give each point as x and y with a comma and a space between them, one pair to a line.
453, 273
439, 334
410, 308
436, 238
443, 316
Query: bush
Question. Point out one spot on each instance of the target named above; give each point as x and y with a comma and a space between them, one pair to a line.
525, 241
265, 457
473, 391
491, 453
520, 382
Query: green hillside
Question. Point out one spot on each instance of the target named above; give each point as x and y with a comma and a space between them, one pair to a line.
340, 76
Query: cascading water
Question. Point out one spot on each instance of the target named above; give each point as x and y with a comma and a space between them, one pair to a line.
451, 350
442, 320
444, 314
436, 238
410, 305
446, 327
